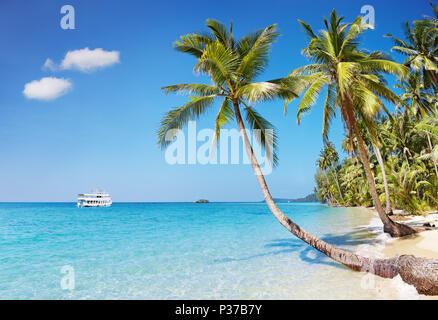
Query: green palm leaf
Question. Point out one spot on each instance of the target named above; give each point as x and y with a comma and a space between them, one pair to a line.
190, 88
256, 58
311, 95
267, 137
179, 117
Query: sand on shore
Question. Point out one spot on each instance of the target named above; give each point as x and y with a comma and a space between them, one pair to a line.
424, 244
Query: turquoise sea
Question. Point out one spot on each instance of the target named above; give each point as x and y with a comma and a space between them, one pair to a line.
175, 251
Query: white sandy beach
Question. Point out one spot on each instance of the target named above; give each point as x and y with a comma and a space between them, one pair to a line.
423, 244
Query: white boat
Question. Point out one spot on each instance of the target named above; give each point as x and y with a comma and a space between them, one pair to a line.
94, 199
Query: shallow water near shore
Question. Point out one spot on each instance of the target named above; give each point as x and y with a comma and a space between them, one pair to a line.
177, 251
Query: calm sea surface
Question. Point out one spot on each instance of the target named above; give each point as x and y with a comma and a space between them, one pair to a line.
175, 251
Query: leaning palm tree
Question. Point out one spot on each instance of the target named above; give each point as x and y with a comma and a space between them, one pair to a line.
232, 66
354, 85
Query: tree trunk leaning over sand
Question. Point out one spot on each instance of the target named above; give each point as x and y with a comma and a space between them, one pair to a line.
419, 272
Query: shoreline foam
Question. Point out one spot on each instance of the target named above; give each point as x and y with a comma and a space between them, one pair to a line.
383, 246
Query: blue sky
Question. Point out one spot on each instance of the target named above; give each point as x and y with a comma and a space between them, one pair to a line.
102, 132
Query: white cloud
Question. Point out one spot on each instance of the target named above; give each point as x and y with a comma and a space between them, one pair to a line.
47, 88
50, 65
87, 60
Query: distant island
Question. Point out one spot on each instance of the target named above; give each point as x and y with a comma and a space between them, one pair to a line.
310, 198
202, 201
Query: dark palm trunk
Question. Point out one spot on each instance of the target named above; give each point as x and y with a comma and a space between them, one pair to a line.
395, 229
388, 208
421, 273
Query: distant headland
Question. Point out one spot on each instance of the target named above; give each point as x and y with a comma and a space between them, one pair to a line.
310, 198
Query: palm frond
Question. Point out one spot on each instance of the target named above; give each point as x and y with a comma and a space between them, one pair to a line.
265, 135
329, 110
179, 117
259, 91
256, 58
190, 88
311, 95
192, 44
220, 32
385, 66
307, 29
345, 72
224, 116
218, 62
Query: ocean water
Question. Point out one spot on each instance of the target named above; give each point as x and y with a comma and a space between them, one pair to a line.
175, 251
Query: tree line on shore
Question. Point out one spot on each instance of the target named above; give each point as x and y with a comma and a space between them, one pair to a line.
402, 146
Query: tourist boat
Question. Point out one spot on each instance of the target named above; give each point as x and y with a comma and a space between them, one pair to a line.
94, 199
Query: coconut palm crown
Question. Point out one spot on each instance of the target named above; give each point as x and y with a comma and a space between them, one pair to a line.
352, 76
233, 65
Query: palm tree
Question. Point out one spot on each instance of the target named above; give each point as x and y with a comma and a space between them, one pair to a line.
354, 85
417, 100
355, 183
232, 66
404, 182
323, 164
377, 144
329, 159
421, 104
325, 190
403, 136
421, 50
429, 126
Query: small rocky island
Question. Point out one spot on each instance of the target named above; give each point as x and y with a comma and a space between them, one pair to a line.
202, 201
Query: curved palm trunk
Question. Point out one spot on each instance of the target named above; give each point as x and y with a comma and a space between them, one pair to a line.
388, 208
421, 273
395, 229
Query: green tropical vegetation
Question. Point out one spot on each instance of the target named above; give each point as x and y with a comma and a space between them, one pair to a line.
356, 87
401, 147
